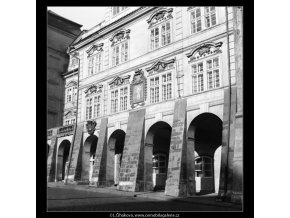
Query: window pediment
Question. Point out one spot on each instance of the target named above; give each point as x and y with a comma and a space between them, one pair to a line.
69, 114
160, 66
120, 36
161, 15
204, 49
118, 81
93, 48
93, 89
71, 83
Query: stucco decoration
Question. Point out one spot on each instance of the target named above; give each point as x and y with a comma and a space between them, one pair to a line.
203, 50
91, 126
71, 83
159, 16
120, 36
93, 48
119, 80
138, 89
160, 65
93, 89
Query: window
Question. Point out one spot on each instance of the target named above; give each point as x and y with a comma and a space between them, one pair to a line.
203, 167
155, 87
69, 95
212, 75
210, 16
195, 20
89, 108
161, 33
159, 163
117, 10
202, 18
95, 64
93, 107
70, 121
119, 96
120, 53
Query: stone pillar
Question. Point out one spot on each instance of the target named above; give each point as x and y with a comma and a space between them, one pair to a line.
75, 161
51, 160
99, 173
176, 183
237, 189
191, 186
132, 166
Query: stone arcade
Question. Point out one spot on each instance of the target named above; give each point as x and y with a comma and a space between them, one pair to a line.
158, 105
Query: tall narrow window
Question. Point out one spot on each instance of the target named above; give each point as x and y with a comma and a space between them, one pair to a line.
213, 77
114, 101
98, 62
75, 89
197, 70
160, 35
91, 66
69, 95
166, 86
195, 19
210, 16
89, 108
123, 98
120, 53
154, 90
165, 32
97, 106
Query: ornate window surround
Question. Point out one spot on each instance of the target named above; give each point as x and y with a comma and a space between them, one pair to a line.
203, 53
92, 92
95, 49
156, 20
119, 37
160, 68
117, 83
141, 80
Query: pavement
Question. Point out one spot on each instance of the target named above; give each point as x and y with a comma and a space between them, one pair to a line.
209, 199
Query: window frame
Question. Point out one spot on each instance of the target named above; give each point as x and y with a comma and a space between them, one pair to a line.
159, 26
118, 103
204, 74
120, 58
93, 58
202, 18
160, 86
121, 9
201, 171
93, 106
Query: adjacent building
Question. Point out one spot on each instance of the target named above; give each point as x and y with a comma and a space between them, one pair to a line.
60, 34
156, 91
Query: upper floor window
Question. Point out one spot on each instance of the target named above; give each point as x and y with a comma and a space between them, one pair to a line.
206, 75
120, 53
71, 94
95, 63
202, 18
161, 85
93, 102
69, 121
160, 35
117, 10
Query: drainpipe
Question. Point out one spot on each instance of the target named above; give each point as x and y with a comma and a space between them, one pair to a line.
229, 81
76, 123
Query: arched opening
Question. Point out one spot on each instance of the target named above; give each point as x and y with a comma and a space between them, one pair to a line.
116, 146
88, 157
206, 132
62, 159
157, 146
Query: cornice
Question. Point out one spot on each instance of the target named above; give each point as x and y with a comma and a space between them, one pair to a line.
112, 26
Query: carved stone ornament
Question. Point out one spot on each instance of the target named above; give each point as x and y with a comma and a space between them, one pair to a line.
204, 50
120, 36
93, 48
91, 126
118, 81
71, 83
161, 66
70, 113
93, 89
161, 15
75, 54
138, 89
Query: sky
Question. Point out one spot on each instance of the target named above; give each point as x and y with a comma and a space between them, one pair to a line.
86, 16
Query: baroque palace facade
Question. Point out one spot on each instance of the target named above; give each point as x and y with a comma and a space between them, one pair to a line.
154, 102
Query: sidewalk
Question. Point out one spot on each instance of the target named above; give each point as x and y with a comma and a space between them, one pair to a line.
204, 199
